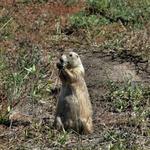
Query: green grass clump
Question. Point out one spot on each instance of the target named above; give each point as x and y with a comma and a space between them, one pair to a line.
128, 97
81, 20
135, 13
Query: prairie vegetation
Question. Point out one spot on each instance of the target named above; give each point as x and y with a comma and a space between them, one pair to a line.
33, 34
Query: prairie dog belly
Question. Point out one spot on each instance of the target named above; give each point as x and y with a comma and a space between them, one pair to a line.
70, 103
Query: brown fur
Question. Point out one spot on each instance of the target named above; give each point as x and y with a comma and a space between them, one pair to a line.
74, 109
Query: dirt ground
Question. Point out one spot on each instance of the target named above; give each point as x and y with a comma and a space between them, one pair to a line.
99, 69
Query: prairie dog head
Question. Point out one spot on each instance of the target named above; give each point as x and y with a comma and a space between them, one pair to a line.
72, 60
63, 61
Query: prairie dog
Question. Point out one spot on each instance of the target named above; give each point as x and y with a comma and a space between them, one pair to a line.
74, 109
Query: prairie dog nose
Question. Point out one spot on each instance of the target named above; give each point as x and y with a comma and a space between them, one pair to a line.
63, 59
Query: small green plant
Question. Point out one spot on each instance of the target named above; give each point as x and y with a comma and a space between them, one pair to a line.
6, 26
4, 120
63, 138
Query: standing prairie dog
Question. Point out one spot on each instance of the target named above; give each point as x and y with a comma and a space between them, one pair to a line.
74, 109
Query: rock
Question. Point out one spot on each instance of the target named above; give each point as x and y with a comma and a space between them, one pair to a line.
101, 69
123, 72
18, 116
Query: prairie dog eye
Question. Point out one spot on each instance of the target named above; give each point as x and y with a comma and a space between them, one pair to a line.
70, 55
